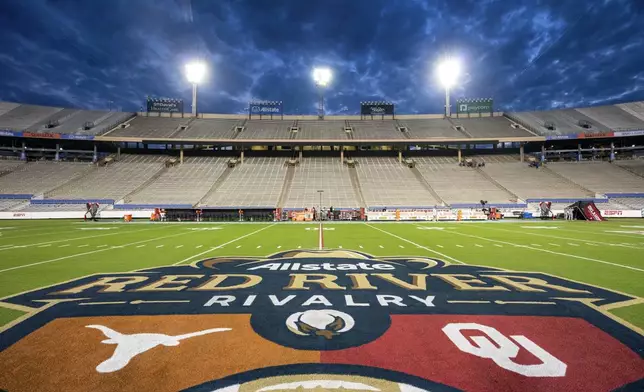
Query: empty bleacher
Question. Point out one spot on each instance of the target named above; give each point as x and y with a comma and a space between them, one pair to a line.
321, 129
456, 184
636, 203
266, 129
613, 117
387, 183
22, 117
531, 183
564, 121
183, 184
150, 127
600, 177
9, 165
38, 177
54, 207
113, 181
430, 128
633, 165
255, 183
375, 129
209, 129
326, 174
8, 204
489, 127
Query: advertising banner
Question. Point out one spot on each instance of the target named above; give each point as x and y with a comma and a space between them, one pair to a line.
262, 108
10, 133
595, 135
562, 137
42, 135
629, 133
77, 137
374, 108
164, 105
475, 105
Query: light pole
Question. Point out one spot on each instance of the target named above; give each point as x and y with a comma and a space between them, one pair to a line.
195, 73
448, 72
322, 77
320, 191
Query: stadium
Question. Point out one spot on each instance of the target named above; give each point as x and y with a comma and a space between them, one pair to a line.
171, 249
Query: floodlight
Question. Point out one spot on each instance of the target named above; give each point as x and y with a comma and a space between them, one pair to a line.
195, 72
448, 72
322, 76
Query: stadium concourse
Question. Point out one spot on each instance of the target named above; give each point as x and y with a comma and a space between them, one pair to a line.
420, 269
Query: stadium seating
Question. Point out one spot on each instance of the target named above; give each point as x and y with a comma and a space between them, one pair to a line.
150, 127
455, 184
531, 183
9, 165
255, 183
630, 202
387, 183
600, 177
8, 204
266, 129
113, 181
327, 174
634, 165
38, 177
489, 127
613, 117
430, 128
183, 184
209, 129
321, 129
22, 117
54, 207
375, 129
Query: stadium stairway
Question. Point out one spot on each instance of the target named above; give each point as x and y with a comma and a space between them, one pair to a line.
128, 198
512, 196
286, 187
427, 185
181, 128
357, 189
71, 182
460, 129
588, 192
220, 180
625, 168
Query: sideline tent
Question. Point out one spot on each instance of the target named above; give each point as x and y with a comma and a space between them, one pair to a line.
586, 210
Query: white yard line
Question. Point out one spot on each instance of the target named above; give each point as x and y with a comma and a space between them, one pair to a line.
415, 244
550, 243
140, 246
222, 245
74, 239
478, 246
159, 246
199, 246
459, 246
238, 246
89, 253
548, 251
178, 246
575, 239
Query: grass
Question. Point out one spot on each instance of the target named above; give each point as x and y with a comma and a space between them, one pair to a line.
34, 254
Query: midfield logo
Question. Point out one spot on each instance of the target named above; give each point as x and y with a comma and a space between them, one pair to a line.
412, 323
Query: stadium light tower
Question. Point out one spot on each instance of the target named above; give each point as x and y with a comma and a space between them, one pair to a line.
322, 78
448, 72
195, 73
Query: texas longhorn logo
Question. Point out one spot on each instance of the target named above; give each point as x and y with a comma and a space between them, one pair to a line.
309, 319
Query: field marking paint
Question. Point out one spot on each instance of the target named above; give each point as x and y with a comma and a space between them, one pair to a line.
238, 246
381, 247
101, 246
552, 252
159, 246
74, 239
459, 246
64, 246
589, 244
87, 253
572, 239
299, 247
340, 246
360, 246
321, 237
535, 245
440, 246
501, 246
259, 246
571, 244
550, 243
478, 246
401, 247
198, 246
83, 246
224, 244
45, 246
178, 246
140, 246
279, 246
415, 244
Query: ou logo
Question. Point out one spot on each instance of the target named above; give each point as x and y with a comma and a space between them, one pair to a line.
500, 349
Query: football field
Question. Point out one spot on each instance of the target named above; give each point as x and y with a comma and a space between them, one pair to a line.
35, 254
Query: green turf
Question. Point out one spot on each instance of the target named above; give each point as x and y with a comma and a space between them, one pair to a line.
34, 254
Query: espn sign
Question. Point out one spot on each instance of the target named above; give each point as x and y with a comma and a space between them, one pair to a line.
622, 213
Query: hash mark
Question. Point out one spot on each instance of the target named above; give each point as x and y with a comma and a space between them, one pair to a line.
498, 246
238, 246
381, 247
198, 246
571, 244
101, 246
159, 246
478, 246
459, 246
140, 246
550, 243
178, 246
440, 246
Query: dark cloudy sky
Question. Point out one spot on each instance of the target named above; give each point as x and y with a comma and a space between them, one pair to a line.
527, 54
